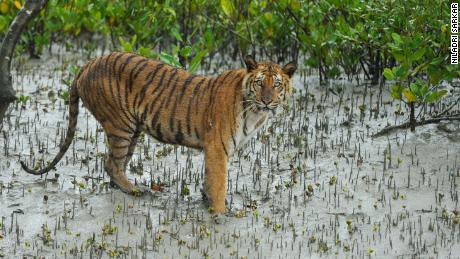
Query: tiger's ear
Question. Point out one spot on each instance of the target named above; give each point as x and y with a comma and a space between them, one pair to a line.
250, 62
290, 68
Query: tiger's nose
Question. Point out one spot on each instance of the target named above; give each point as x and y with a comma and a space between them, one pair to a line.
266, 101
266, 96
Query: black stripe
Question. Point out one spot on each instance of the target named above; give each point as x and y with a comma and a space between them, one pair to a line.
121, 69
141, 69
128, 127
117, 157
101, 95
197, 134
184, 86
173, 88
214, 91
123, 65
118, 137
223, 145
134, 103
200, 97
109, 111
123, 146
149, 78
127, 106
157, 113
208, 87
109, 101
107, 59
159, 135
130, 80
112, 73
236, 80
106, 71
93, 86
87, 82
212, 102
195, 93
160, 107
214, 86
163, 87
233, 113
179, 99
179, 135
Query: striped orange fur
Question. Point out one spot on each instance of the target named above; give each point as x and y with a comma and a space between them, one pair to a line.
129, 94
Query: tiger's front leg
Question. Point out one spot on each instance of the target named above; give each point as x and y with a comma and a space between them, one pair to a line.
216, 161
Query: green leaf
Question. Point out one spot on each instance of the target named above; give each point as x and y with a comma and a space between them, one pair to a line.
397, 38
441, 93
419, 68
424, 90
127, 46
295, 5
170, 59
437, 61
415, 88
196, 61
388, 74
435, 74
3, 23
431, 97
227, 8
133, 40
396, 91
186, 51
435, 96
418, 54
209, 38
146, 52
399, 56
175, 32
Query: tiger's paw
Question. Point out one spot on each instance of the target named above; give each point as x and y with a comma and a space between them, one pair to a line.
217, 209
139, 190
213, 208
131, 189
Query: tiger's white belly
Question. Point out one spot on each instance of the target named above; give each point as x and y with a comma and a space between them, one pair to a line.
248, 127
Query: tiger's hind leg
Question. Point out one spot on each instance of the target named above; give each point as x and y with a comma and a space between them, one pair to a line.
131, 148
117, 158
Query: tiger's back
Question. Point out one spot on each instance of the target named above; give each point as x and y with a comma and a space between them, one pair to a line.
128, 94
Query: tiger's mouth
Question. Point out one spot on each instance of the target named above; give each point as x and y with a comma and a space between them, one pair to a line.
264, 108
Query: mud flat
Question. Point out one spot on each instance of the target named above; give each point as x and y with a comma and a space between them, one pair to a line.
312, 184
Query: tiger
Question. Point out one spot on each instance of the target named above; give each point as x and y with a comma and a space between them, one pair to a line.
129, 94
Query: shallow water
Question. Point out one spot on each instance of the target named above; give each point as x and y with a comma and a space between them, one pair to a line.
313, 183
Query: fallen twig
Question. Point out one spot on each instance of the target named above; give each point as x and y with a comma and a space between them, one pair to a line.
407, 125
449, 108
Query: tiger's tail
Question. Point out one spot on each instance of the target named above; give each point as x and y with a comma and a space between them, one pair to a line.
73, 116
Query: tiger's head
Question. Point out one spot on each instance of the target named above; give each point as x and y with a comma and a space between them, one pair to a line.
267, 85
